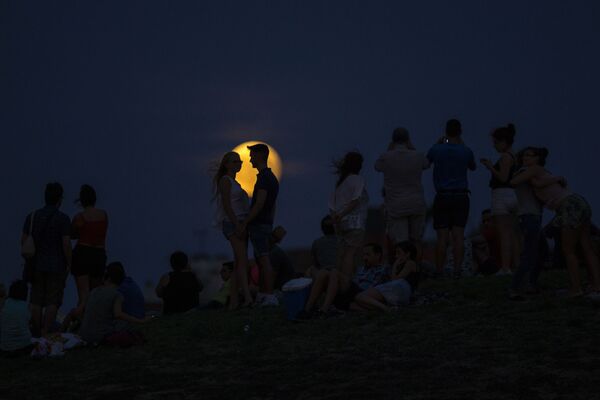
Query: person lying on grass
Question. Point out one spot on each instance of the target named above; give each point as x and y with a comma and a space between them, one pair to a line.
340, 290
403, 283
103, 316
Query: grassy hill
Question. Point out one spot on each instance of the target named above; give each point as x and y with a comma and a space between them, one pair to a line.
476, 344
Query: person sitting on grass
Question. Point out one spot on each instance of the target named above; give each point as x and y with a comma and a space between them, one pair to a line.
179, 289
403, 283
323, 250
486, 246
104, 309
340, 290
15, 337
134, 303
221, 299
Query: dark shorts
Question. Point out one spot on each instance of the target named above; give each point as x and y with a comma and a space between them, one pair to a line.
450, 210
88, 261
342, 300
259, 237
47, 288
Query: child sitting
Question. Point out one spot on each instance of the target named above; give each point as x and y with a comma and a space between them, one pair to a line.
15, 337
396, 292
221, 298
179, 289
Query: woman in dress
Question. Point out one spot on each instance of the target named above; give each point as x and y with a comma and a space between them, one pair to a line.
573, 216
233, 207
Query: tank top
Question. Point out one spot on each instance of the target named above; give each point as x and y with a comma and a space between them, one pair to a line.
239, 202
181, 294
93, 233
496, 183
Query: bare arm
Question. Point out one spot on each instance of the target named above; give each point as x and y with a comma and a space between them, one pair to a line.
548, 180
526, 175
160, 288
337, 217
119, 314
261, 197
409, 267
503, 172
225, 191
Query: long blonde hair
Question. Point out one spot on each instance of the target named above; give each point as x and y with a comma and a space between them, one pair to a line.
222, 170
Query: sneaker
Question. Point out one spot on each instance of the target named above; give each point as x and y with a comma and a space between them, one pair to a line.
269, 300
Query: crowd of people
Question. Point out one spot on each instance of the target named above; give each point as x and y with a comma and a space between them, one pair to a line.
110, 303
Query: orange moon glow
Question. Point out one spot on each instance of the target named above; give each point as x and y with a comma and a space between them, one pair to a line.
247, 176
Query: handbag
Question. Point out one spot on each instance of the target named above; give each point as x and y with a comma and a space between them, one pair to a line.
28, 246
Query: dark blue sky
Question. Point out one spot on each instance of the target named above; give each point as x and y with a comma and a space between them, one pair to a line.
136, 98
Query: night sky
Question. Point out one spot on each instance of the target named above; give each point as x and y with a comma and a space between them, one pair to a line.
137, 99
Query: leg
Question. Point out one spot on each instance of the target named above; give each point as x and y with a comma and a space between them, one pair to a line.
372, 300
458, 247
590, 257
36, 320
319, 287
336, 282
569, 237
240, 252
83, 290
441, 247
266, 273
49, 318
504, 227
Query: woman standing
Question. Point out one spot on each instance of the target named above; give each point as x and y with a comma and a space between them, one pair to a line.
89, 227
504, 199
573, 215
348, 206
233, 207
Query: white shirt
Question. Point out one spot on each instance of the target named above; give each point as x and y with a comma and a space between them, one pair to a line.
352, 188
239, 202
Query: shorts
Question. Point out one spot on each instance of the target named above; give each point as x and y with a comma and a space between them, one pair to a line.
406, 228
47, 288
228, 228
88, 260
351, 238
343, 299
450, 210
396, 292
260, 236
504, 202
573, 212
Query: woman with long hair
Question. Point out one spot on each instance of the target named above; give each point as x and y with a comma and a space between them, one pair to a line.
89, 227
573, 216
504, 199
348, 207
233, 207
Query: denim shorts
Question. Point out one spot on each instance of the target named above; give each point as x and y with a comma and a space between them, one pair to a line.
260, 236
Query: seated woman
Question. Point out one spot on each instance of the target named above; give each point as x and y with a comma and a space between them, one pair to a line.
397, 291
15, 337
179, 289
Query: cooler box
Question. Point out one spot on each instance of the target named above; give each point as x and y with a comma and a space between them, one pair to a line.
295, 294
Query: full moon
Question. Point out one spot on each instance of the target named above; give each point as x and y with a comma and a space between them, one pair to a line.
247, 175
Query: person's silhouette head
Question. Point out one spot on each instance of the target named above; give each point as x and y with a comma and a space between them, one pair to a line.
115, 273
327, 226
531, 156
87, 196
504, 137
259, 155
372, 254
18, 290
231, 163
351, 164
453, 128
400, 136
53, 194
179, 261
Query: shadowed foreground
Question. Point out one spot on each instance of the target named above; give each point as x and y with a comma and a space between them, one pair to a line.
475, 345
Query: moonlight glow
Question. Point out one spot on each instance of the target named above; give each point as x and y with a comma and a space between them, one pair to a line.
247, 176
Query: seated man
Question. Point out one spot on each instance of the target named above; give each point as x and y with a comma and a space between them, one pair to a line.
324, 249
340, 290
15, 337
104, 308
179, 289
486, 246
134, 303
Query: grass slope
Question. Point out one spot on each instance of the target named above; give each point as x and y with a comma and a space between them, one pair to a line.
476, 345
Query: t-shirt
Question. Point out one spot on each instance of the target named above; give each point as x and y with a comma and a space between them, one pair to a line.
450, 164
99, 318
268, 182
352, 188
181, 294
402, 170
239, 202
14, 325
366, 277
282, 266
133, 298
49, 227
324, 251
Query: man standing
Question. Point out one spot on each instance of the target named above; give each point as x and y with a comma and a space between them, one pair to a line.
51, 234
451, 160
402, 167
260, 220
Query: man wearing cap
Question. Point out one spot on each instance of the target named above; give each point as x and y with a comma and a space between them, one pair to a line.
402, 167
259, 222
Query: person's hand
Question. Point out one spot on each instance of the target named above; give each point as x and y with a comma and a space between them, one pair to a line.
442, 140
486, 163
336, 218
